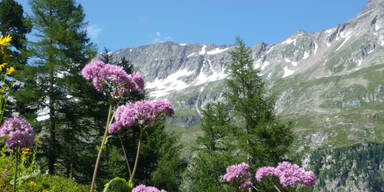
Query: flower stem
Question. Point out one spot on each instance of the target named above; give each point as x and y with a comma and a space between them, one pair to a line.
125, 155
137, 156
101, 148
15, 176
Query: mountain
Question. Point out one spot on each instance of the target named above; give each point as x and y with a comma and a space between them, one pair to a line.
330, 84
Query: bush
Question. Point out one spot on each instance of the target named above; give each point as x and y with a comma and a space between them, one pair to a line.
51, 183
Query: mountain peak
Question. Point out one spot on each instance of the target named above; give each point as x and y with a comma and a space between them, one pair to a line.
372, 5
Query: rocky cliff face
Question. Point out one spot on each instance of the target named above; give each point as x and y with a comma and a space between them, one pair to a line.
329, 83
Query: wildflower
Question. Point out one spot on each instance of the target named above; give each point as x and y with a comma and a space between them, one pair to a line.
5, 40
125, 116
237, 171
44, 190
264, 171
165, 107
142, 111
19, 133
2, 90
246, 184
146, 112
26, 151
10, 70
290, 175
143, 188
32, 184
113, 78
2, 65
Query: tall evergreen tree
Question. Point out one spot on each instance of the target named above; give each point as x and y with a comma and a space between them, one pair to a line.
216, 150
14, 23
265, 139
52, 83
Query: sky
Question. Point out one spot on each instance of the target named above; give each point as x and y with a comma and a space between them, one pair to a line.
119, 24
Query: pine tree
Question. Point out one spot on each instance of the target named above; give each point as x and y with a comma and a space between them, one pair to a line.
265, 139
14, 23
53, 82
216, 150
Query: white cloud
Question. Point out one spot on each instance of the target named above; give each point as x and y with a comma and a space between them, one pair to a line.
160, 39
94, 31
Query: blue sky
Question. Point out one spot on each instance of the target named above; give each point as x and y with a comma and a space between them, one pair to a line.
118, 24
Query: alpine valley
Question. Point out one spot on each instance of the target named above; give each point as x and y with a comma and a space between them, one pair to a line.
329, 84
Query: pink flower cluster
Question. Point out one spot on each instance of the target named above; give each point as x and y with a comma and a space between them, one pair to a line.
143, 188
239, 171
288, 174
113, 78
144, 112
18, 131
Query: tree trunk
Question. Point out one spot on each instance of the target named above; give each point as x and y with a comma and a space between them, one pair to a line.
52, 143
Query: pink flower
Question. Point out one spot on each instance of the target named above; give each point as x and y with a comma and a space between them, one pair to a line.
92, 69
113, 78
144, 112
264, 171
18, 131
143, 188
163, 106
246, 184
289, 175
237, 171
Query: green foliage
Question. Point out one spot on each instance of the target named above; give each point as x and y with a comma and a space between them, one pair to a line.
117, 184
53, 82
51, 183
14, 23
346, 165
262, 136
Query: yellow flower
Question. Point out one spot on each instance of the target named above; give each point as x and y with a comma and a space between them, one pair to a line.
2, 65
4, 40
2, 90
10, 70
32, 184
26, 151
44, 190
37, 137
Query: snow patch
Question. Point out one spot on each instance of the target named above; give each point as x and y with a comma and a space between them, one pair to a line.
287, 72
287, 60
294, 63
306, 55
191, 55
289, 41
216, 51
378, 26
203, 51
316, 47
182, 44
342, 44
171, 83
269, 75
204, 78
257, 64
265, 64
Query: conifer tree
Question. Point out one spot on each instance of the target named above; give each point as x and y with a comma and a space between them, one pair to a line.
15, 23
215, 152
265, 139
52, 83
